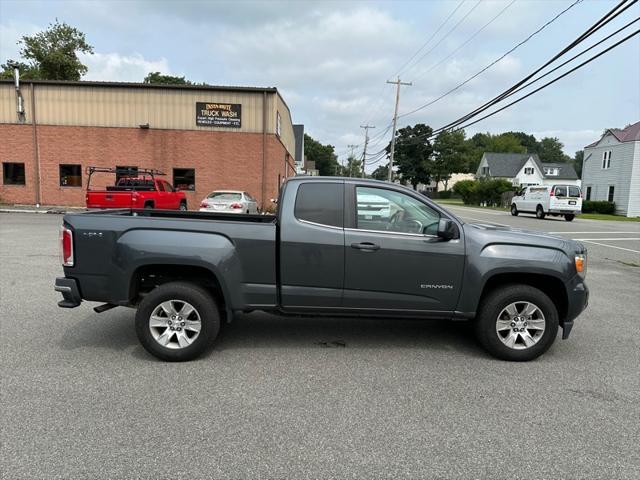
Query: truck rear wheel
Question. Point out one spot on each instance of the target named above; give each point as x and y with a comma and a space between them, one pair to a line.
540, 212
569, 217
517, 323
177, 321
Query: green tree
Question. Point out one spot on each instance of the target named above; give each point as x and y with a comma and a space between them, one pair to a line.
381, 173
160, 78
449, 156
527, 141
578, 160
52, 54
353, 168
323, 156
27, 72
412, 152
551, 150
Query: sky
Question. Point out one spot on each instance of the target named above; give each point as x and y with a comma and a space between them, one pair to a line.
331, 59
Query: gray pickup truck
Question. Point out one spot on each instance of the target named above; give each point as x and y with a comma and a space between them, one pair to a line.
337, 246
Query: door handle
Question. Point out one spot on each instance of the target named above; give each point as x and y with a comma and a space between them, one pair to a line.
366, 246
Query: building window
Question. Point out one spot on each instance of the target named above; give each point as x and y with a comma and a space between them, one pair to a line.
606, 159
528, 171
70, 175
588, 195
13, 174
278, 123
610, 195
551, 171
485, 171
184, 178
125, 171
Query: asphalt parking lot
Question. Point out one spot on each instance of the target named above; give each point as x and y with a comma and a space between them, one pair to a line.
316, 398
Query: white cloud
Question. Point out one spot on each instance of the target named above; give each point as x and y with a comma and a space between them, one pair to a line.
122, 68
573, 140
10, 33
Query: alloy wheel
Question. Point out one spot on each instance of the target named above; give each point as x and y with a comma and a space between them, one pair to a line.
520, 325
175, 324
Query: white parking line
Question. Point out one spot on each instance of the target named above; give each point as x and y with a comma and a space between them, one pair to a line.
595, 233
612, 246
616, 239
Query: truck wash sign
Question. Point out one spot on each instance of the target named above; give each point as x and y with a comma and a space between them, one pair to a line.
219, 114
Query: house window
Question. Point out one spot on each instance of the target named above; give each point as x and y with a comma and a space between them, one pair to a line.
184, 178
528, 171
485, 171
606, 159
551, 171
610, 195
588, 195
13, 174
125, 171
70, 175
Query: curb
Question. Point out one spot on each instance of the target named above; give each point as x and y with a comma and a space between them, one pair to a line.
19, 210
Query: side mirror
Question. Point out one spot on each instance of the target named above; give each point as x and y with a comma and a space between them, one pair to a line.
446, 229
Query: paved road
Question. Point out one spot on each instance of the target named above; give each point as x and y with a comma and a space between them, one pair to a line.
276, 398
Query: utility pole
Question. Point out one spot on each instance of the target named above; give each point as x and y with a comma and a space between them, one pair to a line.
352, 147
366, 141
396, 82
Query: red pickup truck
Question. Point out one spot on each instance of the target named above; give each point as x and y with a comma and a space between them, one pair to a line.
135, 188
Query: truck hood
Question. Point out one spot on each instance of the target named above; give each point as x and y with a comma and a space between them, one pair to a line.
517, 236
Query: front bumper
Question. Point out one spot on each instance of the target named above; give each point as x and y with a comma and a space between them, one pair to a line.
68, 287
577, 302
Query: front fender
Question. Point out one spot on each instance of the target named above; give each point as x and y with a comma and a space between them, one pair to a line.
505, 258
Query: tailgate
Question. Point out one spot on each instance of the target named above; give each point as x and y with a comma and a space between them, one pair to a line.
106, 199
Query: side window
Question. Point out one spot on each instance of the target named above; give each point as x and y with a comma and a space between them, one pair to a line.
390, 211
321, 203
160, 186
70, 175
610, 193
560, 191
588, 196
13, 173
574, 191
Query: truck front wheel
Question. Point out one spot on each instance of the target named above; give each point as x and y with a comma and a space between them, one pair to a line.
517, 323
177, 321
540, 212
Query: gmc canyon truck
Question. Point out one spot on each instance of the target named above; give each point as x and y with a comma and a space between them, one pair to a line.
323, 253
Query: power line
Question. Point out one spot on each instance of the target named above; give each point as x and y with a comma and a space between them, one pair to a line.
627, 38
429, 39
590, 31
430, 69
428, 104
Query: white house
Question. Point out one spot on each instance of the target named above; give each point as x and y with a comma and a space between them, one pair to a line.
611, 169
524, 169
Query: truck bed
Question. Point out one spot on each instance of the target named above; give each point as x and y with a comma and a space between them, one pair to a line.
153, 213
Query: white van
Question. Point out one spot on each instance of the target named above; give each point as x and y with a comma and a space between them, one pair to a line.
565, 200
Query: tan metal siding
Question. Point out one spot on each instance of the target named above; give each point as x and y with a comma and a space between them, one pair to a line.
130, 107
8, 112
286, 126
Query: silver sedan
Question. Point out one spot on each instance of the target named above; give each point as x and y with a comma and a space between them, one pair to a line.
229, 201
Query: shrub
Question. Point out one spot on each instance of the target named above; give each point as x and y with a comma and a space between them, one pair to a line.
598, 206
444, 194
466, 189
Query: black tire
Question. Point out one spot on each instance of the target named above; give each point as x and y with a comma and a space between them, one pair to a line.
183, 206
514, 210
494, 303
203, 303
540, 212
569, 217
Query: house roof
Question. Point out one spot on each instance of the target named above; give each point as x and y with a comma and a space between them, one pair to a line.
509, 164
631, 133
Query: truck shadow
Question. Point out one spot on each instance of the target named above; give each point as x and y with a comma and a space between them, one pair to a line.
115, 331
260, 330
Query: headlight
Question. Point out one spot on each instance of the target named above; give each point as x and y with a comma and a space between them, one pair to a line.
581, 264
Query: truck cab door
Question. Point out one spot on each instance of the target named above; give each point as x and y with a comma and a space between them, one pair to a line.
311, 254
394, 260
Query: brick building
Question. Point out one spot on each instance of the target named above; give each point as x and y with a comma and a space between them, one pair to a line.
203, 137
